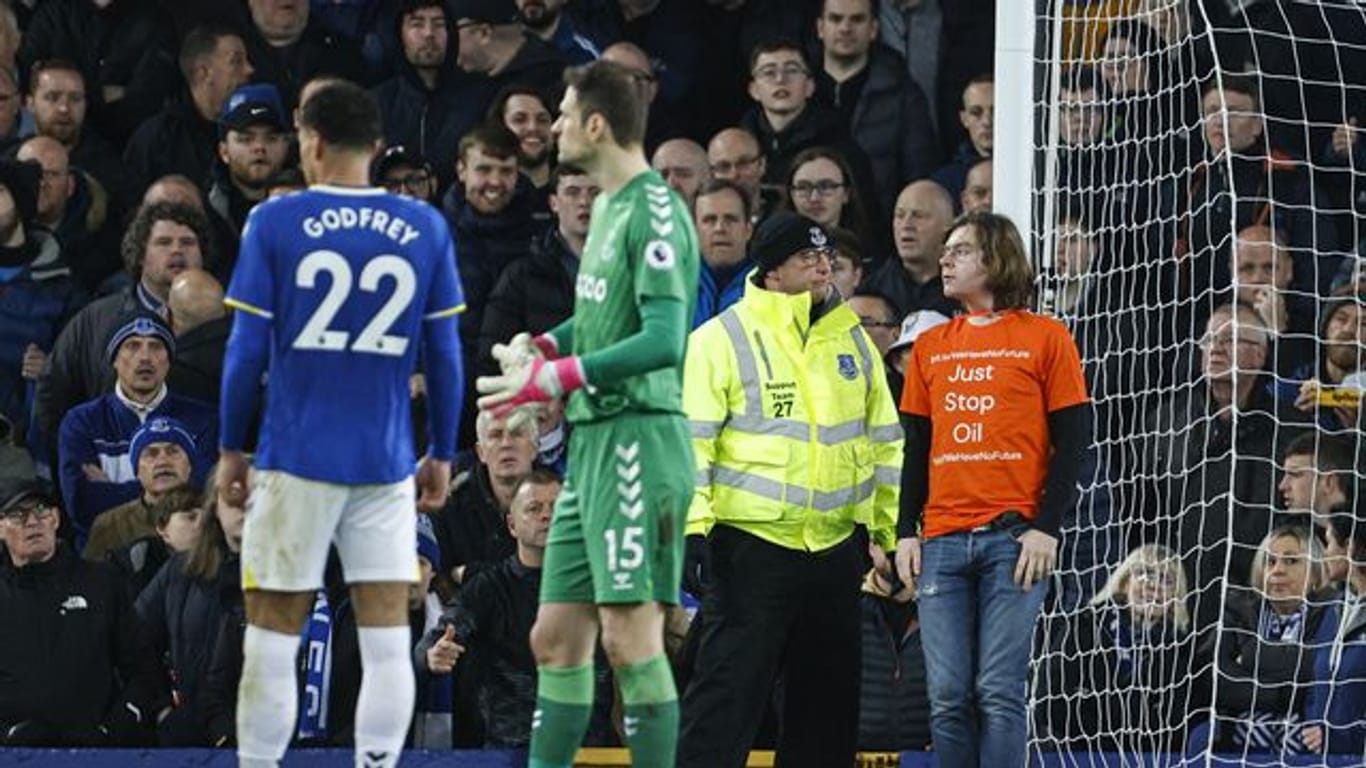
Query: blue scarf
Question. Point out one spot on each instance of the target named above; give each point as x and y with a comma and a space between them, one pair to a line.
1132, 642
317, 666
1282, 629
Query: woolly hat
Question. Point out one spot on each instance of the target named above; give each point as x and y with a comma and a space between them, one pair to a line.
140, 324
160, 429
783, 234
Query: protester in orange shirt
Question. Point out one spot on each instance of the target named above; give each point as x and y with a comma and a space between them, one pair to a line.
997, 424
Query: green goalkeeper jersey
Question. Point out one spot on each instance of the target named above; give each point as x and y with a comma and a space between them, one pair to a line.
641, 244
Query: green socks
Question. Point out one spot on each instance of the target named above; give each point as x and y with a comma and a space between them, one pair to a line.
564, 703
650, 702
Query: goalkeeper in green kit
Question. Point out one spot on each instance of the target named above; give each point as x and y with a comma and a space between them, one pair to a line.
615, 550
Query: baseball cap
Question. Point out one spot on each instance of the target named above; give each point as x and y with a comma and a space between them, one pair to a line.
15, 492
397, 156
915, 324
140, 324
783, 234
485, 11
254, 104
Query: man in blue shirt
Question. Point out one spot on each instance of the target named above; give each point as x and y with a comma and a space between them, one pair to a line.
335, 286
722, 214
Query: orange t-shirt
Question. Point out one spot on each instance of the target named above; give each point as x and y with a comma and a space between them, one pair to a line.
988, 390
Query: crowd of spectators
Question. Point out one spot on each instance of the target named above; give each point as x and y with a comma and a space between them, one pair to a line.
1204, 254
1204, 251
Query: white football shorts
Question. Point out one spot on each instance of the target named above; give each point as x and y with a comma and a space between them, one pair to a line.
291, 522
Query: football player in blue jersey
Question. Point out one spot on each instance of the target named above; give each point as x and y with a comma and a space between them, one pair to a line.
334, 289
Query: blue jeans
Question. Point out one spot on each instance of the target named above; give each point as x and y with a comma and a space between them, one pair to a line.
977, 625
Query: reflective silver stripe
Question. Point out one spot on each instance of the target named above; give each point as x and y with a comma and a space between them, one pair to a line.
888, 434
867, 357
753, 421
744, 360
797, 430
744, 481
705, 430
763, 353
753, 424
702, 479
839, 433
886, 476
845, 497
790, 493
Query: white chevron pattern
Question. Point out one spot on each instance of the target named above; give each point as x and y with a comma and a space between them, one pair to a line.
630, 489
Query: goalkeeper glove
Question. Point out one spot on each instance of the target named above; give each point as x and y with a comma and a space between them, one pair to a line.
539, 382
522, 349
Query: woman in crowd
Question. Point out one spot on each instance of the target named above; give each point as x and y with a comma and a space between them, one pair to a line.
820, 187
1118, 678
1259, 652
183, 607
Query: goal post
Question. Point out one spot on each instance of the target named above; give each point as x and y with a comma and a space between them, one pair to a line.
1190, 178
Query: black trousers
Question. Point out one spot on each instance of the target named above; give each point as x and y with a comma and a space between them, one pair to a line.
773, 612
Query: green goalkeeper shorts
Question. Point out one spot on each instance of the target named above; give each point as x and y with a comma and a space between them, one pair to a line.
617, 533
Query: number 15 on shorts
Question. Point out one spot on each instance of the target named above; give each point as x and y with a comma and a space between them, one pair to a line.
625, 553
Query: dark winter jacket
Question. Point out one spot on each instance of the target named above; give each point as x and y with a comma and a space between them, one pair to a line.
1256, 187
953, 175
316, 52
472, 529
492, 617
128, 44
892, 280
182, 616
576, 47
176, 139
891, 123
672, 34
894, 705
31, 312
365, 25
227, 210
100, 159
1108, 686
1256, 674
484, 246
537, 64
534, 294
1197, 460
197, 371
431, 121
219, 699
140, 562
816, 126
87, 238
72, 654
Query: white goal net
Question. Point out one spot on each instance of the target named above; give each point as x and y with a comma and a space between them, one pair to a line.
1197, 213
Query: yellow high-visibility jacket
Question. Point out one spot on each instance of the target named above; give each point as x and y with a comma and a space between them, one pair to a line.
795, 432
